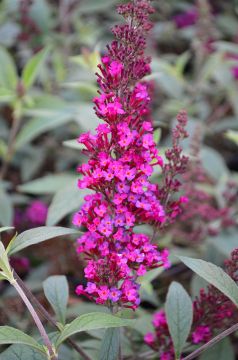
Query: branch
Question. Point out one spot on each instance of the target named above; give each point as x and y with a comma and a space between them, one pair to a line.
44, 313
212, 342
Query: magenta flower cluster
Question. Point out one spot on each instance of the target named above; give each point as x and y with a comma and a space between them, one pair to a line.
213, 312
122, 155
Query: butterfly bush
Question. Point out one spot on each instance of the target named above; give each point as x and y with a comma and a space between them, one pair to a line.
122, 157
213, 312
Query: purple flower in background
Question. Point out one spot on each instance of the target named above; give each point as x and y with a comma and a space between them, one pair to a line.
186, 18
20, 264
234, 71
36, 212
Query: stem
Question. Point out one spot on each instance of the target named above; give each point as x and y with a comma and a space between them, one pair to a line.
37, 321
47, 316
212, 342
10, 145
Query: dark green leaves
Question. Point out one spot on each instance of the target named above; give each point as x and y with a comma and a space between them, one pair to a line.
179, 314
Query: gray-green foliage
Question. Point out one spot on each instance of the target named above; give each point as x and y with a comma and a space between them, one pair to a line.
56, 290
179, 315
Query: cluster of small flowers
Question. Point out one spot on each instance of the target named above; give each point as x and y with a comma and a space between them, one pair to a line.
34, 215
186, 19
122, 156
201, 216
213, 313
174, 167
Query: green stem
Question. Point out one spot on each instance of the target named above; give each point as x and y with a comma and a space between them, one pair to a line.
44, 335
47, 316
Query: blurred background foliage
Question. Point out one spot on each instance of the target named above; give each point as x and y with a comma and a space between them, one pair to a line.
49, 51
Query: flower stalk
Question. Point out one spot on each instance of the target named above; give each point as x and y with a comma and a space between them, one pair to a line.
51, 351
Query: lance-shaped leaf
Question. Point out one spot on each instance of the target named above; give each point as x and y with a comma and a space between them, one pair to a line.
214, 275
38, 235
48, 184
179, 315
10, 335
20, 352
110, 345
33, 67
6, 273
8, 73
6, 208
56, 290
6, 228
92, 321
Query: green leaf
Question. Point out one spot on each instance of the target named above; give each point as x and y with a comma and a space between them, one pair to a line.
6, 209
41, 14
48, 184
9, 31
38, 235
73, 144
157, 135
110, 345
6, 95
88, 6
33, 68
10, 335
8, 73
6, 228
41, 124
65, 201
92, 321
21, 352
224, 243
213, 163
150, 275
56, 290
24, 352
222, 350
214, 275
6, 272
179, 314
232, 135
